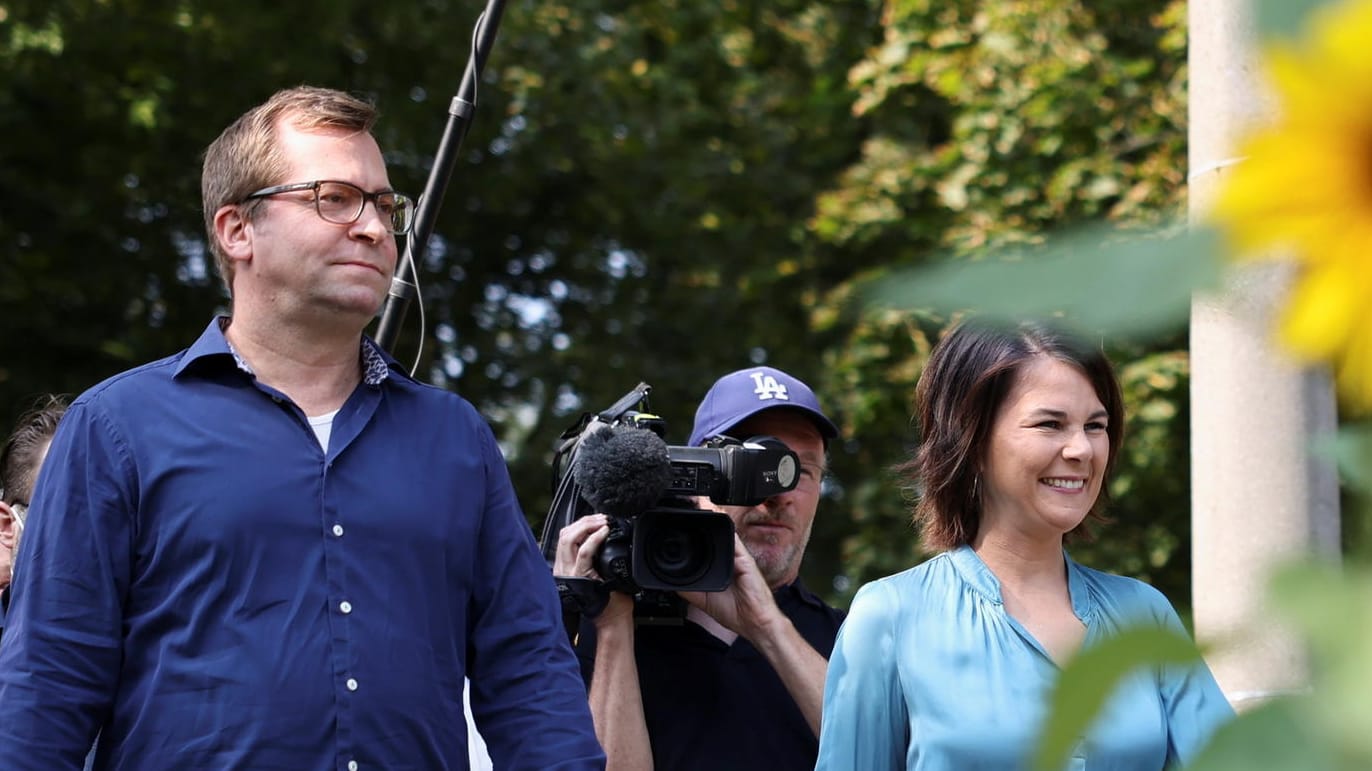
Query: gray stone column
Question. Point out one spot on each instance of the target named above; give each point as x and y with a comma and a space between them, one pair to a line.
1258, 496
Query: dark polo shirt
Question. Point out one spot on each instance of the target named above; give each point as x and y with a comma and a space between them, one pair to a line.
722, 707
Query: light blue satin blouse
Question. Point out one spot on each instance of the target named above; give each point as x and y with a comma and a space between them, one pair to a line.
931, 673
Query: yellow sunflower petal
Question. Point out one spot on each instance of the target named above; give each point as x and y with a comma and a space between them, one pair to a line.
1340, 35
1289, 185
1322, 311
1329, 79
1305, 192
1297, 84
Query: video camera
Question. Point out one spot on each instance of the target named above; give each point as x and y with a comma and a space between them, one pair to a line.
616, 463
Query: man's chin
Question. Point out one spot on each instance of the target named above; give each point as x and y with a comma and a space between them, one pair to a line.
772, 561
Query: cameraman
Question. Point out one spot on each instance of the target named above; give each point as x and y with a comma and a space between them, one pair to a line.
739, 685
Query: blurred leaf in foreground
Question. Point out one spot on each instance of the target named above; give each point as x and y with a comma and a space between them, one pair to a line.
1329, 729
1353, 450
1098, 278
1332, 606
1272, 737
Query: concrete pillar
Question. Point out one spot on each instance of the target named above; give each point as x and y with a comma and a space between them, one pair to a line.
1258, 497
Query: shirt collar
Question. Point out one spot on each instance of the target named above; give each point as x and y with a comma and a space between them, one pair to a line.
376, 367
797, 593
977, 575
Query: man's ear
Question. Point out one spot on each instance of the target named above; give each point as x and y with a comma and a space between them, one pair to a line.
234, 231
7, 527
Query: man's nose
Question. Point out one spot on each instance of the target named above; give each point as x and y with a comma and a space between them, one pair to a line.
372, 224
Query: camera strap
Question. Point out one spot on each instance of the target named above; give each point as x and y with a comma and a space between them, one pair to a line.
581, 598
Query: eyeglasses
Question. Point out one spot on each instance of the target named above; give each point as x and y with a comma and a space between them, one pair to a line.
342, 202
20, 513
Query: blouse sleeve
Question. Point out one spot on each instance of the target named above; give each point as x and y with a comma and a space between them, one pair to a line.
864, 722
1194, 705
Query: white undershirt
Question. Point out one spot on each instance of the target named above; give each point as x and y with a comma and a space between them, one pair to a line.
323, 428
476, 746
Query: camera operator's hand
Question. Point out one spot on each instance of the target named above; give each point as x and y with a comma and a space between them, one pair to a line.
577, 545
747, 607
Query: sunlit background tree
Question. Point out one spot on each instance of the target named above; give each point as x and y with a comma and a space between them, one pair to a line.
649, 191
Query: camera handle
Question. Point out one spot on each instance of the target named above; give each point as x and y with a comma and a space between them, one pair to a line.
567, 500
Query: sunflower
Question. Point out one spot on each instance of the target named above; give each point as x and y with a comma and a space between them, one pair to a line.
1305, 192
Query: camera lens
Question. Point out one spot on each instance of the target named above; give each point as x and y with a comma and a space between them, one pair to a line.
683, 550
678, 557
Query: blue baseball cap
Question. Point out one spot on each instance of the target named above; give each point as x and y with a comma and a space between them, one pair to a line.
740, 395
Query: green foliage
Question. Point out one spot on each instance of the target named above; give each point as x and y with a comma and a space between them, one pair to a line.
864, 529
991, 120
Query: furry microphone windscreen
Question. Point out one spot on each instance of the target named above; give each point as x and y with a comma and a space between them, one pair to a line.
623, 470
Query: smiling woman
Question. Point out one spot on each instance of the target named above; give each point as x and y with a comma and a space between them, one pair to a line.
972, 383
1021, 427
1046, 454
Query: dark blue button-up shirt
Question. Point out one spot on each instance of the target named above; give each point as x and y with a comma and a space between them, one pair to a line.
207, 588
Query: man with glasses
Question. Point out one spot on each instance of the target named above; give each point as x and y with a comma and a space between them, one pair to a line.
275, 549
739, 685
20, 461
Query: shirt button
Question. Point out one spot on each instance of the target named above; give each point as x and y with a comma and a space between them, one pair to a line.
338, 530
352, 684
352, 765
345, 606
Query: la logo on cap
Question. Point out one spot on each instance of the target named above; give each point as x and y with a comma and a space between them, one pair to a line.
767, 387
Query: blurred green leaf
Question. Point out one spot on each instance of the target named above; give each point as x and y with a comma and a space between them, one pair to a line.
1273, 736
1332, 606
1284, 18
1117, 287
1089, 679
1352, 449
1328, 602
